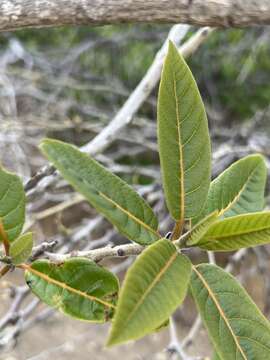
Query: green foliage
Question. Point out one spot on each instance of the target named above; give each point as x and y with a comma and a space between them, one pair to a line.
236, 327
106, 192
239, 189
193, 236
223, 217
12, 206
183, 139
237, 232
154, 286
78, 287
21, 248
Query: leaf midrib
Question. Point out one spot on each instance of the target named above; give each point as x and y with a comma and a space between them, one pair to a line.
181, 167
221, 312
65, 286
133, 217
243, 232
242, 189
150, 287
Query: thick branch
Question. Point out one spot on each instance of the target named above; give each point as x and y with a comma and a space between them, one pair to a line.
15, 14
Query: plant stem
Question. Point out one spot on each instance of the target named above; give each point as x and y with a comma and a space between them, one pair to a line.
5, 269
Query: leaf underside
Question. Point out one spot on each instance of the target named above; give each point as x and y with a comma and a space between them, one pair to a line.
239, 189
21, 248
110, 195
12, 205
235, 325
184, 144
153, 288
238, 232
193, 236
78, 288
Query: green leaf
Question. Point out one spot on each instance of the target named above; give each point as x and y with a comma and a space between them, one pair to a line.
21, 248
238, 232
110, 195
216, 356
193, 236
183, 137
235, 325
239, 189
155, 285
78, 287
12, 206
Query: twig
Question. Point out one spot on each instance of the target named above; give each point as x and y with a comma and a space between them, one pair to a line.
174, 345
99, 254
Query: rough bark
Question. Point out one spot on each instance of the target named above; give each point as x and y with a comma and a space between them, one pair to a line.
16, 14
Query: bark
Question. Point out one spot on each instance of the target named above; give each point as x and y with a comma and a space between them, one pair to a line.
16, 14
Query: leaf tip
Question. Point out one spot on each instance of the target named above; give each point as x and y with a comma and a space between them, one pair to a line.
113, 340
172, 47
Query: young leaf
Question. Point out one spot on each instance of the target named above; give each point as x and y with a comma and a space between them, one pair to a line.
238, 232
12, 206
78, 287
21, 248
153, 288
236, 327
110, 195
193, 236
239, 189
183, 137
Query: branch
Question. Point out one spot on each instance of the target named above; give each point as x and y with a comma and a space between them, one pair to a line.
145, 87
16, 14
99, 254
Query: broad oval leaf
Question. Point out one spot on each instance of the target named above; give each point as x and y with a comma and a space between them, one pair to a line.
12, 206
110, 195
239, 189
183, 137
154, 287
78, 287
21, 248
237, 232
235, 325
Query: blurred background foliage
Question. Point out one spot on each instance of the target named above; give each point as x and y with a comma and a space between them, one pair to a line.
232, 67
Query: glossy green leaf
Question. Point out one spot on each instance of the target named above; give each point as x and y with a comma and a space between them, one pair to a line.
12, 205
153, 288
21, 248
237, 232
78, 287
193, 236
239, 189
183, 137
235, 325
110, 195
